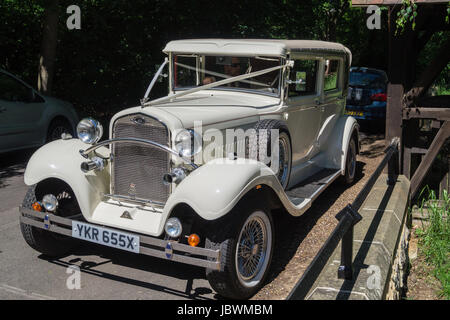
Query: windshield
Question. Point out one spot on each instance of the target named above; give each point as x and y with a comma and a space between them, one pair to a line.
195, 70
366, 79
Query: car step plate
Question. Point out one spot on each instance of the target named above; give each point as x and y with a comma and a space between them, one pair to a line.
106, 237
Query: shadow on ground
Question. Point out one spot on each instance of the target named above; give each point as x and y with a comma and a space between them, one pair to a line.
13, 164
140, 262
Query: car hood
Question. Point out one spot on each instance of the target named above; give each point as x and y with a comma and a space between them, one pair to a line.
216, 107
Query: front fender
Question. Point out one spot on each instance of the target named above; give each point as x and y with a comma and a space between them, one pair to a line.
61, 159
214, 189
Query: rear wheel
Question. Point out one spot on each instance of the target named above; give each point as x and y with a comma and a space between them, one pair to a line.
246, 252
46, 242
350, 163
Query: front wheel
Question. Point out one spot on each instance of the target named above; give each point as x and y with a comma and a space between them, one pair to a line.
246, 252
46, 242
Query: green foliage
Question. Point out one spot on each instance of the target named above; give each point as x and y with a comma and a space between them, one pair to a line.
441, 85
434, 240
406, 15
108, 64
447, 18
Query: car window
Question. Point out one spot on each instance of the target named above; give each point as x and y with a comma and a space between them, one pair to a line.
12, 90
303, 78
373, 80
331, 75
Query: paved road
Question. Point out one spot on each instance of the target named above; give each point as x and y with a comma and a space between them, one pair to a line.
105, 273
112, 274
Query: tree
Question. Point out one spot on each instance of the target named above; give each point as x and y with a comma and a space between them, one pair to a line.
48, 47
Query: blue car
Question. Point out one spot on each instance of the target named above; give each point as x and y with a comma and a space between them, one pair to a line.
366, 98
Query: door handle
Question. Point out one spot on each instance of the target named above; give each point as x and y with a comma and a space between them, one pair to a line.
2, 109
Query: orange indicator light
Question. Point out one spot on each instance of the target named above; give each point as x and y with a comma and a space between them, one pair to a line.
37, 206
193, 240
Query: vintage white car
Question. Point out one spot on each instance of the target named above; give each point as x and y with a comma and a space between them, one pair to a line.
248, 126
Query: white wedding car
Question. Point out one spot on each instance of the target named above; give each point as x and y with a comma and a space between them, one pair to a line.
248, 126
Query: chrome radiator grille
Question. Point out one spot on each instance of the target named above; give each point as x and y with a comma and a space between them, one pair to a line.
137, 170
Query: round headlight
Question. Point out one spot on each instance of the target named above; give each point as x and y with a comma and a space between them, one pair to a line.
50, 202
188, 143
173, 227
89, 130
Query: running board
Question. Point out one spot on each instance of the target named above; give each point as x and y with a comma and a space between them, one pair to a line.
304, 193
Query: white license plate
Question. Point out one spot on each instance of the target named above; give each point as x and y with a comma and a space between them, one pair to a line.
104, 236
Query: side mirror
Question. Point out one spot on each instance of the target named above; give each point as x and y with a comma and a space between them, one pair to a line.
300, 81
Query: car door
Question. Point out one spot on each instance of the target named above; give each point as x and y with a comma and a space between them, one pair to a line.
332, 102
303, 102
20, 112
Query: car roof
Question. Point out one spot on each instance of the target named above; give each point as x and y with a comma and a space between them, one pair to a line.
252, 47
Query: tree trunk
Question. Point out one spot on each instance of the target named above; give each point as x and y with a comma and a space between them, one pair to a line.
48, 47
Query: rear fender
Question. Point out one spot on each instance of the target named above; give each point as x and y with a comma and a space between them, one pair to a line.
337, 144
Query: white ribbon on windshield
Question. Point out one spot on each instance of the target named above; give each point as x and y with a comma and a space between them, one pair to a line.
215, 84
221, 75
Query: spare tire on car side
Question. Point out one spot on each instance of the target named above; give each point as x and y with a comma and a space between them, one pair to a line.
260, 145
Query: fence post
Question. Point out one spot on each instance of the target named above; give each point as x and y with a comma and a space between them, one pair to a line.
345, 270
393, 165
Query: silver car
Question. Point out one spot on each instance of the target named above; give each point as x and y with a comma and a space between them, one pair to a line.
28, 118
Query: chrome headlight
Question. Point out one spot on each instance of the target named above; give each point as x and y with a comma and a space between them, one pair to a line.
173, 227
188, 143
89, 130
50, 202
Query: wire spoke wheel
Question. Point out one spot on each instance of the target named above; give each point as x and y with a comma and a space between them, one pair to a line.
253, 248
284, 160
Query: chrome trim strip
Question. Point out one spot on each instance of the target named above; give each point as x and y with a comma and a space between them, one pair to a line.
119, 197
85, 153
35, 218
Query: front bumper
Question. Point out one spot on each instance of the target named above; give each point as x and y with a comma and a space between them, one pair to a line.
164, 249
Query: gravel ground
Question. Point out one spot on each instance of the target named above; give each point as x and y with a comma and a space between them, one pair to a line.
299, 239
